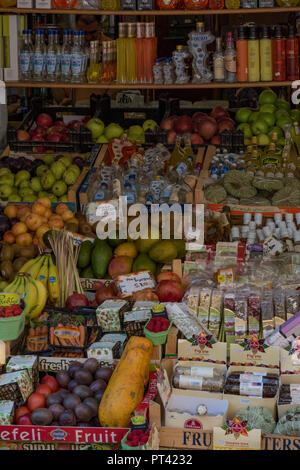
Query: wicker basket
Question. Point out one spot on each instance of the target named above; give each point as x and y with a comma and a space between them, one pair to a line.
135, 328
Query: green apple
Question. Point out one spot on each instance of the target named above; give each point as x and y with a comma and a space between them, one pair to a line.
63, 198
268, 118
263, 139
281, 141
26, 192
96, 126
59, 188
295, 115
66, 160
267, 97
5, 171
281, 113
280, 103
113, 131
246, 129
52, 198
49, 159
243, 115
102, 140
283, 120
267, 108
259, 127
47, 180
22, 175
7, 179
254, 116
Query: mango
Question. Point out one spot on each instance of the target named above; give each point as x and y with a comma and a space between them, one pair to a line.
180, 245
144, 262
163, 251
144, 245
126, 249
120, 265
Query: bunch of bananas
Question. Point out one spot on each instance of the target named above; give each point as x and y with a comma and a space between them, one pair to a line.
36, 281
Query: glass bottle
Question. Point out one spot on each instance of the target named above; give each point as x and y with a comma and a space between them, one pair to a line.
26, 57
39, 57
241, 55
265, 50
85, 55
253, 56
232, 4
139, 47
179, 57
279, 59
168, 72
292, 55
216, 4
219, 62
230, 59
198, 41
150, 48
76, 59
290, 152
51, 57
121, 53
58, 54
158, 74
66, 58
93, 72
177, 154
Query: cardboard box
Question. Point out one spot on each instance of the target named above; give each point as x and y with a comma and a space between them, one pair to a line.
28, 362
15, 386
171, 344
204, 352
290, 374
252, 360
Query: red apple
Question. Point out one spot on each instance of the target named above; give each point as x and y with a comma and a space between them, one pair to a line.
218, 112
38, 138
60, 124
184, 124
44, 120
215, 140
169, 291
167, 124
196, 139
54, 138
171, 137
168, 276
23, 136
25, 420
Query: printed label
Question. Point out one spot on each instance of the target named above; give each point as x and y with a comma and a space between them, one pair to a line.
202, 371
65, 64
76, 62
186, 382
51, 63
251, 389
25, 62
38, 64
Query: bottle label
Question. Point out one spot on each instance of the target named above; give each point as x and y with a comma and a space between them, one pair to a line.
130, 197
181, 169
100, 195
76, 63
186, 381
254, 389
25, 58
230, 63
51, 63
38, 63
65, 64
219, 69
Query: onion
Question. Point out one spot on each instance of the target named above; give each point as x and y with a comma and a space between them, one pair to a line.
207, 128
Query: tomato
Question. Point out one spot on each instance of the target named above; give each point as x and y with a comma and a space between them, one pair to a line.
44, 390
51, 382
35, 401
22, 410
25, 420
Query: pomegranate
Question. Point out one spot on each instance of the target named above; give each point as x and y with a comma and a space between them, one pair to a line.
44, 120
196, 139
76, 300
167, 124
105, 293
168, 276
198, 116
169, 291
207, 128
225, 124
54, 138
184, 124
218, 112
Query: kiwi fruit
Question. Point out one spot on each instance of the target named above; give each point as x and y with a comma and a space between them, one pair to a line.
6, 270
7, 253
42, 416
17, 250
54, 399
19, 263
91, 364
28, 251
71, 401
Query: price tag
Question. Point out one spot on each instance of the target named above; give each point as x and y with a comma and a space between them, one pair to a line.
9, 298
134, 282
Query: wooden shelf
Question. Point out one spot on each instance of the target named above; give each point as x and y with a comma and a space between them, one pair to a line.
115, 86
244, 11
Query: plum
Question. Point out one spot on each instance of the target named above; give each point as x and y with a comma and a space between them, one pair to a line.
67, 418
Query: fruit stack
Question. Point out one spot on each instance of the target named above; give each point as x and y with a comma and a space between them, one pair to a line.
157, 330
135, 439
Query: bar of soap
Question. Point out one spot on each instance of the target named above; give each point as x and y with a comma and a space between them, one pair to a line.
202, 410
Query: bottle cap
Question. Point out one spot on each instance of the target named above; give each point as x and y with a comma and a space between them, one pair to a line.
265, 32
292, 31
150, 30
253, 32
179, 47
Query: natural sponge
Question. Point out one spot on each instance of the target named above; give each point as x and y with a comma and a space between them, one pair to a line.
258, 418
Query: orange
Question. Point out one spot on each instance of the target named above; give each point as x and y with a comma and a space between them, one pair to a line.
10, 211
19, 228
24, 239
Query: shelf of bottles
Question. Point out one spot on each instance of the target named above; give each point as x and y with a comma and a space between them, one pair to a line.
150, 86
237, 11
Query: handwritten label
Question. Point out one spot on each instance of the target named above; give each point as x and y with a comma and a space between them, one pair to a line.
134, 282
9, 298
272, 247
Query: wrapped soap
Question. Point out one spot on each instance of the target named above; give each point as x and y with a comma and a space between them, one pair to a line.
110, 314
28, 362
16, 386
6, 412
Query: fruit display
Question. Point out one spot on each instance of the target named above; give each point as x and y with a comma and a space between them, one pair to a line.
13, 257
270, 116
136, 438
71, 398
158, 324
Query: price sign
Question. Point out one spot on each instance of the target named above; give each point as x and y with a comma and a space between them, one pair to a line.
134, 282
9, 298
272, 247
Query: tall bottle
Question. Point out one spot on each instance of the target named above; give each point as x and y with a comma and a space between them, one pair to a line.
219, 62
51, 57
130, 53
265, 52
179, 57
30, 39
242, 55
76, 59
278, 55
85, 55
150, 46
65, 58
230, 59
26, 56
39, 57
253, 55
292, 55
58, 54
140, 59
93, 72
121, 53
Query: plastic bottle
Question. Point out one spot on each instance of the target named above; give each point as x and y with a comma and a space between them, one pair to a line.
129, 193
292, 55
130, 53
85, 54
76, 59
121, 55
51, 58
265, 49
230, 59
58, 54
158, 72
149, 53
253, 56
39, 57
66, 58
242, 55
26, 57
168, 72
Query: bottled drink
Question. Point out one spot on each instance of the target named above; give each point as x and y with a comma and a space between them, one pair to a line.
66, 58
29, 35
93, 73
168, 72
39, 57
58, 54
278, 49
85, 55
26, 56
140, 59
230, 59
158, 72
150, 46
76, 59
179, 57
292, 53
198, 41
253, 56
218, 62
265, 49
51, 57
177, 153
130, 53
121, 53
241, 55
129, 193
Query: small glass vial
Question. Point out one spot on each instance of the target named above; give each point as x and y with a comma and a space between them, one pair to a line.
278, 233
278, 218
248, 217
260, 235
258, 218
271, 225
289, 218
235, 234
298, 220
252, 225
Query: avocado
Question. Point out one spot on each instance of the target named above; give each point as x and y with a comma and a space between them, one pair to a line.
84, 257
142, 261
180, 245
163, 251
88, 273
101, 256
